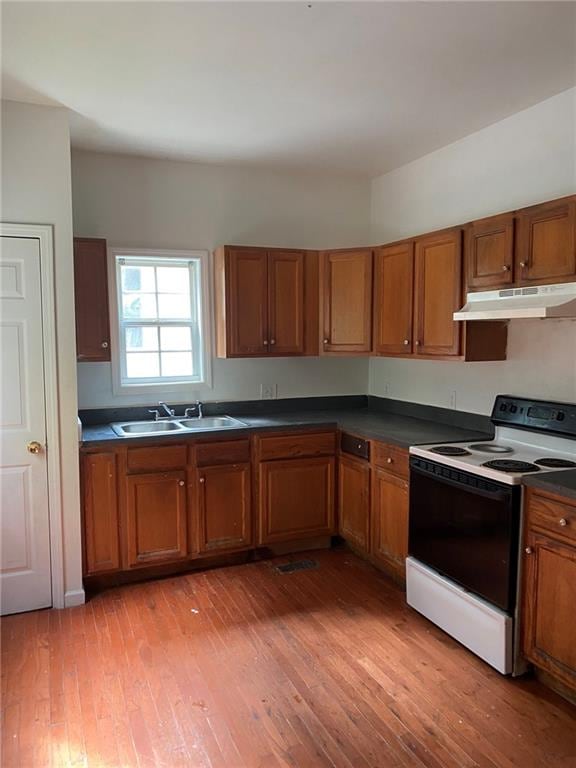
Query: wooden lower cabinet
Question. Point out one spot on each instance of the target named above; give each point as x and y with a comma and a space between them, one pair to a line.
296, 499
354, 502
156, 518
389, 540
100, 512
224, 504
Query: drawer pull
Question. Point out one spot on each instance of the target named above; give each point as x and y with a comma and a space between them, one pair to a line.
181, 482
202, 480
528, 550
389, 460
563, 522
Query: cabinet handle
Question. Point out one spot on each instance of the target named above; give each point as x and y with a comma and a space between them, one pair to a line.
326, 341
505, 268
528, 550
265, 343
389, 460
180, 482
563, 522
523, 264
417, 343
272, 341
104, 345
406, 342
359, 446
202, 480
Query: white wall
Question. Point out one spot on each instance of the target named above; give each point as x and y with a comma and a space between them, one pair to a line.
36, 190
148, 203
527, 158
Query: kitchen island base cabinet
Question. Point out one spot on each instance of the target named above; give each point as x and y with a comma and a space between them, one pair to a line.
354, 502
296, 499
100, 507
389, 546
224, 508
156, 526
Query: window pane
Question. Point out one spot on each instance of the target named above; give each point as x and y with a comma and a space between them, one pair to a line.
138, 279
141, 339
175, 339
173, 280
173, 305
139, 306
142, 365
176, 364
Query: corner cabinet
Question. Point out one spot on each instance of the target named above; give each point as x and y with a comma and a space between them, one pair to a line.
91, 300
549, 585
266, 302
346, 301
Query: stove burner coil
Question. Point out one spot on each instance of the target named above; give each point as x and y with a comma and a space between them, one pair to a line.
555, 463
509, 465
450, 450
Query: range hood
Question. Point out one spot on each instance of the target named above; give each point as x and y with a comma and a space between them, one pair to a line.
534, 301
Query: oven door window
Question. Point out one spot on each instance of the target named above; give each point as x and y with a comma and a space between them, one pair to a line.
466, 533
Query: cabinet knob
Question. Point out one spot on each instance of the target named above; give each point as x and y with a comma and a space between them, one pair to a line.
272, 341
523, 264
505, 268
406, 342
265, 343
180, 482
326, 341
104, 345
528, 550
417, 343
202, 480
563, 522
389, 460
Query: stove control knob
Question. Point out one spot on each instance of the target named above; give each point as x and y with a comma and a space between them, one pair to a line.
528, 550
563, 522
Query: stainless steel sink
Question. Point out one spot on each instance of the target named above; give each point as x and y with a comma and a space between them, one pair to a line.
211, 422
145, 428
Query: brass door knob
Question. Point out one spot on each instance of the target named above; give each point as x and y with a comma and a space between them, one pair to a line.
34, 447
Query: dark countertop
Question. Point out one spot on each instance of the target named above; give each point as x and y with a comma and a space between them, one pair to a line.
364, 422
561, 483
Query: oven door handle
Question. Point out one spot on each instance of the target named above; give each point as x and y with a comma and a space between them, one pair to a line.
502, 495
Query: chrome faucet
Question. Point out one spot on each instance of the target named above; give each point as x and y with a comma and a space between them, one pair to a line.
168, 412
198, 408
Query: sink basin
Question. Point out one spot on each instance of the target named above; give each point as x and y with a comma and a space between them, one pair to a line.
211, 422
145, 428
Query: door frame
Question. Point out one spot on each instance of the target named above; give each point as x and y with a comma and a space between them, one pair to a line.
44, 233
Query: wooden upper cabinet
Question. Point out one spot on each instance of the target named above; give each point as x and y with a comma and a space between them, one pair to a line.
354, 501
91, 300
224, 507
100, 507
286, 310
247, 302
393, 299
346, 297
156, 525
546, 243
489, 252
438, 293
265, 302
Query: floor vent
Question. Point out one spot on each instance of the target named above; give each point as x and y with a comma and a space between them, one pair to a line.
297, 565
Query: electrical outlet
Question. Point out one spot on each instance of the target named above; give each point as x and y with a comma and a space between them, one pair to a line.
268, 391
453, 399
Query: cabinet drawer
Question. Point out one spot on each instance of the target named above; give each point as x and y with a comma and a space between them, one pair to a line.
226, 452
356, 446
392, 458
156, 458
296, 445
552, 516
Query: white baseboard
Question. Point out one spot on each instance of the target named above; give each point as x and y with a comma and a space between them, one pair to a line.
74, 597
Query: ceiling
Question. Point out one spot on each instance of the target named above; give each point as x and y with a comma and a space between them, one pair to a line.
353, 87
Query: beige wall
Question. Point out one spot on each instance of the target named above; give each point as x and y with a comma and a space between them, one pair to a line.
36, 190
137, 202
524, 159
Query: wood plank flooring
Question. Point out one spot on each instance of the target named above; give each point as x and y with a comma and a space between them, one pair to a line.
244, 667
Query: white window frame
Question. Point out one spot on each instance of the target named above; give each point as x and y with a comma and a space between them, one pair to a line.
155, 387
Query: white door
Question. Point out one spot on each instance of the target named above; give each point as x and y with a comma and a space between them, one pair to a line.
25, 579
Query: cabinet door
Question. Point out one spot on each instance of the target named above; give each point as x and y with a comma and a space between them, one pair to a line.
224, 505
91, 300
393, 295
286, 302
100, 508
549, 630
354, 501
296, 499
546, 243
438, 292
389, 544
346, 290
247, 300
156, 517
489, 249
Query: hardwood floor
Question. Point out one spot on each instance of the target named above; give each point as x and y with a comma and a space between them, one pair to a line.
247, 667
